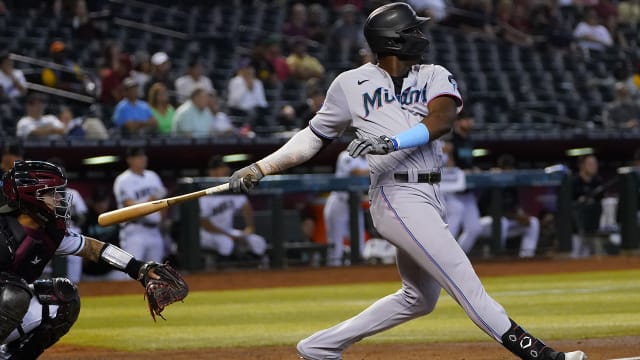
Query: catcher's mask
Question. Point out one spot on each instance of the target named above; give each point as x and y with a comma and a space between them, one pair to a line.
395, 29
37, 188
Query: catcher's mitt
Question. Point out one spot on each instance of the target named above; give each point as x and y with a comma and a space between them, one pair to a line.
167, 289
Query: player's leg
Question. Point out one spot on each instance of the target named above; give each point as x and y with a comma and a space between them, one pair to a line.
51, 315
257, 244
335, 213
407, 218
154, 245
360, 230
530, 237
471, 226
417, 297
15, 297
455, 210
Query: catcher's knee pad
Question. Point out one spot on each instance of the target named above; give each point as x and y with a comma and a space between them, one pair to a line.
15, 297
56, 291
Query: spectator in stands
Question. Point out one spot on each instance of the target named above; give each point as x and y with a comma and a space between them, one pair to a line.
160, 70
133, 116
473, 16
110, 57
515, 221
302, 64
513, 23
298, 116
269, 64
296, 26
217, 213
194, 78
317, 22
623, 112
587, 197
435, 9
12, 82
195, 119
72, 125
83, 25
35, 124
161, 108
141, 71
222, 124
548, 22
245, 94
591, 35
112, 88
629, 13
72, 78
633, 81
346, 35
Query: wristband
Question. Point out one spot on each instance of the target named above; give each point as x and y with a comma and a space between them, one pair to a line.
416, 136
120, 260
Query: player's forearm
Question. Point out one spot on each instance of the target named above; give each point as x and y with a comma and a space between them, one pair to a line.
442, 114
98, 251
300, 148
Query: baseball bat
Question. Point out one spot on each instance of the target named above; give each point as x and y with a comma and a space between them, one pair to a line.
135, 211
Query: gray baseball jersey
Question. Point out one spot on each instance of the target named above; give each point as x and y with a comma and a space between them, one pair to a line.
364, 99
409, 214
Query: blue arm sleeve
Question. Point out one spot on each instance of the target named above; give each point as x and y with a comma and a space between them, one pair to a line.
416, 136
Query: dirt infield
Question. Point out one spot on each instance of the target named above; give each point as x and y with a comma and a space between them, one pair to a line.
608, 348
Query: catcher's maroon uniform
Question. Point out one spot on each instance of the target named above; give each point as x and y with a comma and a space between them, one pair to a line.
35, 313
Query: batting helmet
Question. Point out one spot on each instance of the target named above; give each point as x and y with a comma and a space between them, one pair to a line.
26, 183
395, 29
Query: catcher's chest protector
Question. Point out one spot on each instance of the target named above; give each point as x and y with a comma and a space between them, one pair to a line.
24, 251
11, 235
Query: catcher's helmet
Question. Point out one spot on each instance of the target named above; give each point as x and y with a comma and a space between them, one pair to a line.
26, 183
395, 29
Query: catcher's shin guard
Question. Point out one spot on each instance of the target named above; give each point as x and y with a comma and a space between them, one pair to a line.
56, 291
15, 296
527, 346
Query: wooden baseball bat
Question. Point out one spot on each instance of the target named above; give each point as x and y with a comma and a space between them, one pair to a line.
135, 211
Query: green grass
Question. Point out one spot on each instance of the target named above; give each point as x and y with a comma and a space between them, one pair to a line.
571, 306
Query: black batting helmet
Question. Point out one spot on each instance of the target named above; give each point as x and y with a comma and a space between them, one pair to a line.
26, 183
395, 29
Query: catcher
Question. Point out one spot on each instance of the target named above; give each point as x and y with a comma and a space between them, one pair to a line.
36, 313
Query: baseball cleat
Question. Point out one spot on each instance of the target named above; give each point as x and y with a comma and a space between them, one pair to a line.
575, 355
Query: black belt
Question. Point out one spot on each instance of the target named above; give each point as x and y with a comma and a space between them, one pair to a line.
430, 178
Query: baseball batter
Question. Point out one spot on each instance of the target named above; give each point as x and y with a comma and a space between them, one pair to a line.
141, 237
416, 104
336, 209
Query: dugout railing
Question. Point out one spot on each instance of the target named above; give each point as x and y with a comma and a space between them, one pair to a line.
275, 187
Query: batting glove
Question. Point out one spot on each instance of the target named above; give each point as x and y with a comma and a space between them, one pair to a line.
377, 146
245, 179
